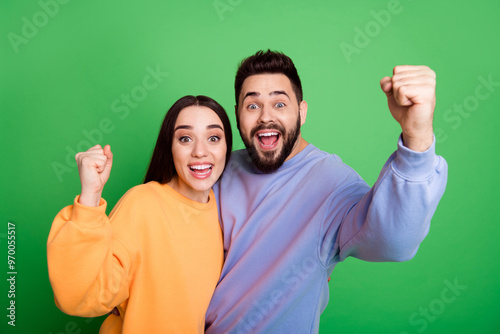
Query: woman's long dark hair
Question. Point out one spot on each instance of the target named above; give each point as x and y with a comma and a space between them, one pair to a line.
161, 168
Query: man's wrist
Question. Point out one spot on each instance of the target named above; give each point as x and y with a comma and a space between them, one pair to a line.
420, 142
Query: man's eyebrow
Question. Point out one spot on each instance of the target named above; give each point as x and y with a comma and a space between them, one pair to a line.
250, 94
279, 92
274, 92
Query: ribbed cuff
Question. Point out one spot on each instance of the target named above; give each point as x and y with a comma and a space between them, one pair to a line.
413, 165
88, 215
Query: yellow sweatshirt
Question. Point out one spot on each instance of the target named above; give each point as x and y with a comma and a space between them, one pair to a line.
157, 257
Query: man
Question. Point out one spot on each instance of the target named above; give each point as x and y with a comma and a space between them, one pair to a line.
291, 212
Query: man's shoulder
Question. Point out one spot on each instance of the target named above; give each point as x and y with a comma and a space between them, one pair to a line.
313, 156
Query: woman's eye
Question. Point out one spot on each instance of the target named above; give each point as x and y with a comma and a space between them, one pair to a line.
184, 139
280, 105
214, 139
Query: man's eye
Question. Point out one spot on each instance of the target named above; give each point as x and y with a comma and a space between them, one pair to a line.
280, 105
252, 106
214, 139
184, 139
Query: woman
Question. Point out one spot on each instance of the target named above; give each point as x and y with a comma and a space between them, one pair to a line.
158, 256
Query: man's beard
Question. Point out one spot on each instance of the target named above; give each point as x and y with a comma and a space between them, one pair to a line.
269, 161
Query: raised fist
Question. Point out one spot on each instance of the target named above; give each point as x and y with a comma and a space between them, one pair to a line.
411, 96
94, 166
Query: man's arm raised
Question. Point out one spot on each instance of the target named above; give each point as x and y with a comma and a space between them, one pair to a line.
390, 221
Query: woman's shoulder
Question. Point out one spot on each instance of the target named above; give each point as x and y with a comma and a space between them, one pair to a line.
139, 197
143, 192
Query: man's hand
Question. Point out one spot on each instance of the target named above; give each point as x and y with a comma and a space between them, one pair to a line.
411, 96
94, 166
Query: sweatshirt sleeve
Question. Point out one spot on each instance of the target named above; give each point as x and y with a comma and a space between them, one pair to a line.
391, 220
89, 266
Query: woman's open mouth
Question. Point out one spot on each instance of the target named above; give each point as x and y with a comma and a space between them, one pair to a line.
201, 171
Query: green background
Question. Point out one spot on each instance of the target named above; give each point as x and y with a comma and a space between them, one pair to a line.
65, 69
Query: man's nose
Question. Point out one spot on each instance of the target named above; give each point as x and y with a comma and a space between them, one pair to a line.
266, 115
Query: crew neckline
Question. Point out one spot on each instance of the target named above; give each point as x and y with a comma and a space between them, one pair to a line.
197, 205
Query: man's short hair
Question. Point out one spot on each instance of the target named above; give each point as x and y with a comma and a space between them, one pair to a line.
268, 62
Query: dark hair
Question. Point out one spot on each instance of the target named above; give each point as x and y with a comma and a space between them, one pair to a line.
161, 168
268, 62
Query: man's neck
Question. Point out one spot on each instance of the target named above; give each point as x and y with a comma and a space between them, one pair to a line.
300, 144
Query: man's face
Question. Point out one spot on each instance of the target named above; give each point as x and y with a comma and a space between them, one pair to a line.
269, 119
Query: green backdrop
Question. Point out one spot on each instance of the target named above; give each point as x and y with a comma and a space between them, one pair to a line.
74, 73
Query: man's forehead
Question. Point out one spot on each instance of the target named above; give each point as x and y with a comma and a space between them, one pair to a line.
266, 83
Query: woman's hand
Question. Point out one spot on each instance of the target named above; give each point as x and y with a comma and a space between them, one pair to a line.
94, 166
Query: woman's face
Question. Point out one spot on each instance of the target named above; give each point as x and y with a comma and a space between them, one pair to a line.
199, 152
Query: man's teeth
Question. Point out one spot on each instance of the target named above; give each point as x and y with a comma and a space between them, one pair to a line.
268, 134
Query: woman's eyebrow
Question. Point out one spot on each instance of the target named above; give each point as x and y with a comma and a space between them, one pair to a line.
179, 127
189, 127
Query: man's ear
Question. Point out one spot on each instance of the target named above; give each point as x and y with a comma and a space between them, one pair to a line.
303, 112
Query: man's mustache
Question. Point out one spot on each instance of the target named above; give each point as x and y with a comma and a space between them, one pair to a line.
260, 127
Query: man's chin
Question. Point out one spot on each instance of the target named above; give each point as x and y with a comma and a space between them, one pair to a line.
266, 153
266, 161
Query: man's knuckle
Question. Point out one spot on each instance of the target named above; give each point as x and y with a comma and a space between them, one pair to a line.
397, 85
403, 90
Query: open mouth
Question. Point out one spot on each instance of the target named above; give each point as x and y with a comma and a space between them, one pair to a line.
201, 171
268, 140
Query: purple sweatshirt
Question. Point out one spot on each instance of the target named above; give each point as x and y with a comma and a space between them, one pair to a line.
284, 232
